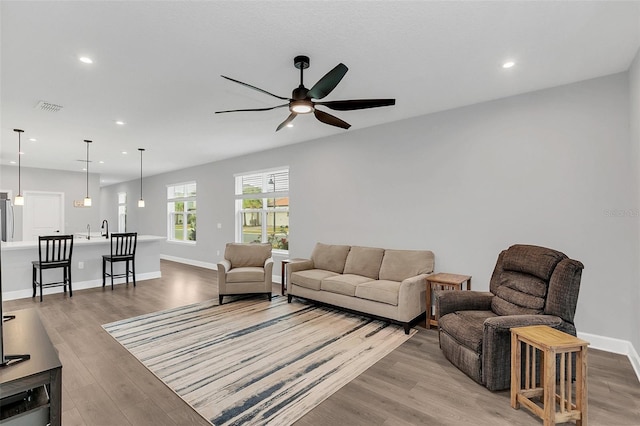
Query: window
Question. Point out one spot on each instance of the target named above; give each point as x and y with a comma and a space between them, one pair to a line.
122, 212
262, 208
181, 209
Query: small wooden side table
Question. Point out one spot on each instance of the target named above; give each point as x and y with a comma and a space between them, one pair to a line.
552, 343
442, 281
283, 273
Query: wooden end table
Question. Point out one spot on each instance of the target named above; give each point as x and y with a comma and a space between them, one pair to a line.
283, 273
556, 407
443, 281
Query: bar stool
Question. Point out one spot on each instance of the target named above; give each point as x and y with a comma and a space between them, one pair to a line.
123, 249
53, 252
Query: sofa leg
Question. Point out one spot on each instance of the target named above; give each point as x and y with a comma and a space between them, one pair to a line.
407, 327
269, 295
220, 297
289, 297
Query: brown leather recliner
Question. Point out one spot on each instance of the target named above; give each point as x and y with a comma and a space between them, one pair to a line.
530, 285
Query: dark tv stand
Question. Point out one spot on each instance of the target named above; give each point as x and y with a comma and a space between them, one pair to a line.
39, 375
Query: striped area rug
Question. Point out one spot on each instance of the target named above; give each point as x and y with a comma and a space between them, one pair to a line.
256, 362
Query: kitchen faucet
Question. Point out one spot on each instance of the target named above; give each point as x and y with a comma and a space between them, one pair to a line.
88, 231
102, 227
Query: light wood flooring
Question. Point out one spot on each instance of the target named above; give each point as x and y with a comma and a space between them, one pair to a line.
414, 385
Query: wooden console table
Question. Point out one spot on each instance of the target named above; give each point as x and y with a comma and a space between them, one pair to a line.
26, 335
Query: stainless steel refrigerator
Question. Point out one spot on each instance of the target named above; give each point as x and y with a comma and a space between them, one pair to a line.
6, 220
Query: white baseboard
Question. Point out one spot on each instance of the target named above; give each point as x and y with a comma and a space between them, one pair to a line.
191, 262
617, 346
80, 285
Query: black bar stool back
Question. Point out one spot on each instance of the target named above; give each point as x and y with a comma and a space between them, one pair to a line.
123, 249
53, 252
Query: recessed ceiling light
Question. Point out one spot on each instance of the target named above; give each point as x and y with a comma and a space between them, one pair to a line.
120, 123
124, 152
12, 162
86, 60
101, 162
508, 64
33, 139
84, 169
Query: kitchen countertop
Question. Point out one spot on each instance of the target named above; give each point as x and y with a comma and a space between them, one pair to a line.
78, 241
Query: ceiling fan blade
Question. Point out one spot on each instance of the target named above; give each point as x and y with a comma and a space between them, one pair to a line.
252, 109
254, 88
330, 119
287, 121
353, 104
326, 84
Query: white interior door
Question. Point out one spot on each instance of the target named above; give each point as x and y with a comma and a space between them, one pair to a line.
43, 214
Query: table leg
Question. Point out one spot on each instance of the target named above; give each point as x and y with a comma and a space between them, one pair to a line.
549, 390
515, 370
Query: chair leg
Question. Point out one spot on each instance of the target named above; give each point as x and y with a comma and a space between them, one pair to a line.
126, 271
111, 264
104, 270
64, 279
69, 277
220, 297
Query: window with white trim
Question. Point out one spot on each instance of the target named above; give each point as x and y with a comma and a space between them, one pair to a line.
262, 208
181, 212
122, 212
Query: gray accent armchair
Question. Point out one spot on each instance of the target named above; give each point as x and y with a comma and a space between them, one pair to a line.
246, 269
530, 285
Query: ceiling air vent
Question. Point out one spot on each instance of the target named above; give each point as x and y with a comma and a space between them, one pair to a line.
48, 106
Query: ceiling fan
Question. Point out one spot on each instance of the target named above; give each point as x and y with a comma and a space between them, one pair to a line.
301, 101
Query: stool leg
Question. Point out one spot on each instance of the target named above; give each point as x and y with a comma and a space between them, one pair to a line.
133, 270
111, 264
104, 270
33, 281
69, 277
64, 279
126, 271
40, 284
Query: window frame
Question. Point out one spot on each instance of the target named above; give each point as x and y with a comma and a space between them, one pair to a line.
185, 213
266, 193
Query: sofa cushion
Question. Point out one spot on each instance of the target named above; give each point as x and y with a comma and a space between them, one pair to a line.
343, 284
330, 257
364, 261
398, 265
245, 274
382, 291
467, 327
310, 278
252, 254
519, 293
534, 260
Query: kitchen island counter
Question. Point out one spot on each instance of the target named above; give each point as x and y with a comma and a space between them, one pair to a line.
86, 270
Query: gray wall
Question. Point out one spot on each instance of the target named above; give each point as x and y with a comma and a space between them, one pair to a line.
74, 186
634, 114
552, 168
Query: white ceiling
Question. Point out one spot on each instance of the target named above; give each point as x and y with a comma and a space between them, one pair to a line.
157, 66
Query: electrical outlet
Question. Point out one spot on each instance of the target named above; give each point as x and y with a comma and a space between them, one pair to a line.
80, 265
219, 226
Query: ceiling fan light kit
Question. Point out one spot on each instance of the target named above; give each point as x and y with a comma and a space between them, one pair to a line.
301, 101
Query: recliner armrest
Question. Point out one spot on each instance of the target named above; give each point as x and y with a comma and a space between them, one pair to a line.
507, 322
448, 301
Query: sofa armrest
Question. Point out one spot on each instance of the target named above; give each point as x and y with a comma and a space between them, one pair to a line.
448, 301
223, 267
411, 297
268, 272
298, 265
496, 345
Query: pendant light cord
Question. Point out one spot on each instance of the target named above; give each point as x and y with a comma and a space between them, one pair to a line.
19, 162
141, 151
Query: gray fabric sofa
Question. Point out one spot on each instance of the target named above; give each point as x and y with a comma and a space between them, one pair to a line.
530, 285
388, 284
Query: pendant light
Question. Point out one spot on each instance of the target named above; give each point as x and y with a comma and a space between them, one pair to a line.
87, 199
19, 199
141, 200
